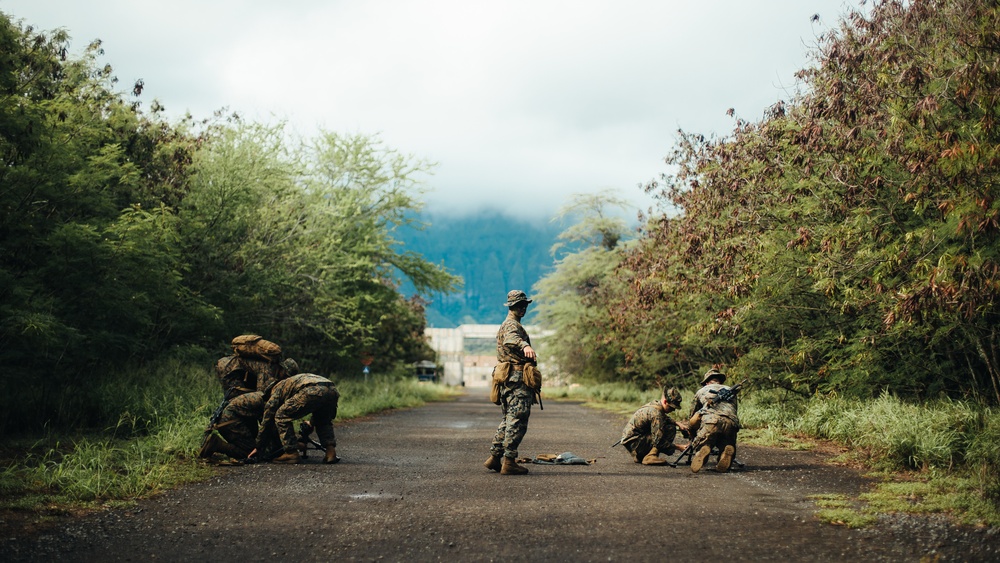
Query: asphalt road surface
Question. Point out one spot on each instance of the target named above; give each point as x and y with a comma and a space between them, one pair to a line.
412, 487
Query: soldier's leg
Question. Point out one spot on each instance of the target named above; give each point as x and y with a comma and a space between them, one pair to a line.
640, 448
727, 444
518, 411
322, 419
702, 445
238, 422
664, 432
297, 406
496, 447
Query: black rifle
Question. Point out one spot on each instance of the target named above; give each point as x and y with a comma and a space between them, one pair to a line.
688, 450
259, 458
214, 419
726, 394
625, 441
305, 438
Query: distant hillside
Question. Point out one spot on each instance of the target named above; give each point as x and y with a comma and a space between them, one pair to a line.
493, 254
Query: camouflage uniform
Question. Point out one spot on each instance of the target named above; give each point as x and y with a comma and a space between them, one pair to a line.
654, 430
294, 398
266, 373
515, 396
233, 376
238, 422
719, 422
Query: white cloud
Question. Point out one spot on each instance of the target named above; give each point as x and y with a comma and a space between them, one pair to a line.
520, 100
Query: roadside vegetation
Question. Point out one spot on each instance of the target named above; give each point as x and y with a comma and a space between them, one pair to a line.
939, 457
135, 247
153, 445
842, 253
128, 236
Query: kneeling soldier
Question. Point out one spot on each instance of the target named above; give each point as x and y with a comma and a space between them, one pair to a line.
714, 423
651, 432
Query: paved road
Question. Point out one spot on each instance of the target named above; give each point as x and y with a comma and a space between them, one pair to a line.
412, 487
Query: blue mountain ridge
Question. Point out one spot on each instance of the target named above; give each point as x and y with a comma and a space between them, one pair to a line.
492, 252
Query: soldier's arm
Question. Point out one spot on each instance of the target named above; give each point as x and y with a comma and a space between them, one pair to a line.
267, 421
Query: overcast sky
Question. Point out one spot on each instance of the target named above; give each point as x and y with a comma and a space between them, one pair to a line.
521, 103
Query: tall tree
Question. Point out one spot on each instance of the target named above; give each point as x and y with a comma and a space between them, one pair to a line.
571, 299
847, 241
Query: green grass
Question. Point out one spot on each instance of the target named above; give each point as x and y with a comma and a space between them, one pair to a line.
840, 510
619, 398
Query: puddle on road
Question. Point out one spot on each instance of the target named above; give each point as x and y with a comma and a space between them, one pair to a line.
373, 496
459, 424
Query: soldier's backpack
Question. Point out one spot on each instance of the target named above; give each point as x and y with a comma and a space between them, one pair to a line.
253, 346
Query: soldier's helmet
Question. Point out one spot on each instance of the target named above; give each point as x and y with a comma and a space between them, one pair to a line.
516, 296
713, 373
291, 366
673, 397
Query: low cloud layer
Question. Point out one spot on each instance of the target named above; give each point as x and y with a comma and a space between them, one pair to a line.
519, 101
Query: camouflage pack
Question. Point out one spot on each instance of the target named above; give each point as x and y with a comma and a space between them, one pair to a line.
254, 346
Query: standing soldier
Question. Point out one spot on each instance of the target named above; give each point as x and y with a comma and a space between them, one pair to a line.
293, 398
714, 423
516, 392
650, 432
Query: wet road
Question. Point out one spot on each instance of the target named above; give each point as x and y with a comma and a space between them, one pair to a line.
412, 487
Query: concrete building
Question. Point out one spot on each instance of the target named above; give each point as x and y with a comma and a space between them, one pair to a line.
467, 354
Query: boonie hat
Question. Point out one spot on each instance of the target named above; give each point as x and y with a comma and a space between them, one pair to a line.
516, 296
713, 373
673, 397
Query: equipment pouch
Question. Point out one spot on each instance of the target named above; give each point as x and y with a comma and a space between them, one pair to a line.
500, 374
533, 378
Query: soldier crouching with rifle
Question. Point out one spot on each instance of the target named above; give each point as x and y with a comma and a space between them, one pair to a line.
291, 399
650, 432
714, 422
236, 420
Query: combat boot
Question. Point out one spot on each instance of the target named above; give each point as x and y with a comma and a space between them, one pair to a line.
210, 446
653, 458
698, 460
288, 457
493, 463
216, 444
725, 459
510, 467
331, 455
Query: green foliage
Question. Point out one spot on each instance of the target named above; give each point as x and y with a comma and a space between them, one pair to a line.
126, 238
839, 510
380, 393
298, 244
570, 298
848, 241
939, 456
